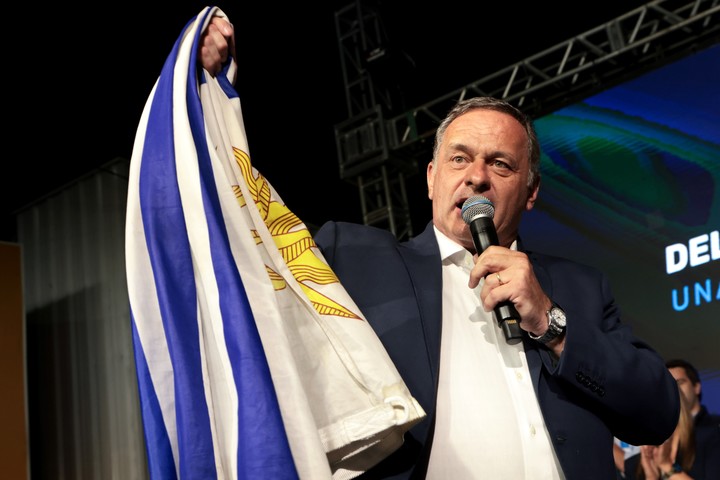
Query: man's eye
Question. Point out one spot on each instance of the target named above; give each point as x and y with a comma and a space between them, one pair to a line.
458, 159
500, 164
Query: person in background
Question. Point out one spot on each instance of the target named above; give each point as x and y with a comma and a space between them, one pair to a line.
687, 455
688, 380
545, 407
619, 458
622, 451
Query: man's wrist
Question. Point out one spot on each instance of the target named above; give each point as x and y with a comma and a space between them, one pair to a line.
556, 327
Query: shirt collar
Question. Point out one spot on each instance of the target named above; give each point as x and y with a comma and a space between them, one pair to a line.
453, 251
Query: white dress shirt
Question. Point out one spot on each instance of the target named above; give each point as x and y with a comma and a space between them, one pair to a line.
489, 423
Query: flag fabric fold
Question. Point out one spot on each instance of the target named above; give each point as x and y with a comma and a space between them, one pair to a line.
252, 360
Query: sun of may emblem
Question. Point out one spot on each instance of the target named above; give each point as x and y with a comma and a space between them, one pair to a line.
293, 240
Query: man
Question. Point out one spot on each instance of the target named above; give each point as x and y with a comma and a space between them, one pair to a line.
694, 448
690, 386
546, 407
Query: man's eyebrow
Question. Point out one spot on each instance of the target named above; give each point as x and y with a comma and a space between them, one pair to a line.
458, 146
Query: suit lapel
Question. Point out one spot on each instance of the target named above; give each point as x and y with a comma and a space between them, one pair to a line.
422, 259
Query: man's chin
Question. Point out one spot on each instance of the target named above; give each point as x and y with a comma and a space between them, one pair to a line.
465, 240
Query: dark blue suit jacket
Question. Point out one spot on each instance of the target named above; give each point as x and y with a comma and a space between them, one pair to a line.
607, 382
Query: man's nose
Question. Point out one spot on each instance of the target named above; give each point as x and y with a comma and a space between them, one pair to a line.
476, 176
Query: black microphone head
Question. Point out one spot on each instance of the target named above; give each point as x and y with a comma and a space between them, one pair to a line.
477, 206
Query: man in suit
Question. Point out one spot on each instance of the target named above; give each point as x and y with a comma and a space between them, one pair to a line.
688, 381
694, 449
546, 407
706, 423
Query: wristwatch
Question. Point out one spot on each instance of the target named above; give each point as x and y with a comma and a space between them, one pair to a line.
676, 468
556, 325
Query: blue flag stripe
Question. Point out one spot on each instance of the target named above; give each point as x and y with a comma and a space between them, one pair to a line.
171, 260
159, 452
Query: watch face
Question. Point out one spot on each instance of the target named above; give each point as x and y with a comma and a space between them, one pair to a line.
558, 317
556, 327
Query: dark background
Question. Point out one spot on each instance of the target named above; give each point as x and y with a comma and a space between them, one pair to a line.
78, 79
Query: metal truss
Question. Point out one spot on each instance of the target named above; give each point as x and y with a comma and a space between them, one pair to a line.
634, 43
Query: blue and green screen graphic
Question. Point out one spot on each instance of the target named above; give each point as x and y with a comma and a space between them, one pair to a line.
631, 185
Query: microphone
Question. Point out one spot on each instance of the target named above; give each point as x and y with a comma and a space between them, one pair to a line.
478, 213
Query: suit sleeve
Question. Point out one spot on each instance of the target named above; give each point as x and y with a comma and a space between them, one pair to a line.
624, 378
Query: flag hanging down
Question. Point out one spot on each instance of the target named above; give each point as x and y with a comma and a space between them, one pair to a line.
252, 359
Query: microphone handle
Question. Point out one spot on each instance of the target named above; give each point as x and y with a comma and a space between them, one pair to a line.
509, 320
507, 316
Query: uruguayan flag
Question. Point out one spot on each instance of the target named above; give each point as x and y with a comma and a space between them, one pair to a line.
252, 360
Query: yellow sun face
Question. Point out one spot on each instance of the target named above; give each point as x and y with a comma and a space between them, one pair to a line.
292, 239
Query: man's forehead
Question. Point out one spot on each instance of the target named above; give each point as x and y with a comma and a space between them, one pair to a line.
679, 373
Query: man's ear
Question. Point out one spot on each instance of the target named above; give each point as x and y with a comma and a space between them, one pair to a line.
532, 196
430, 179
